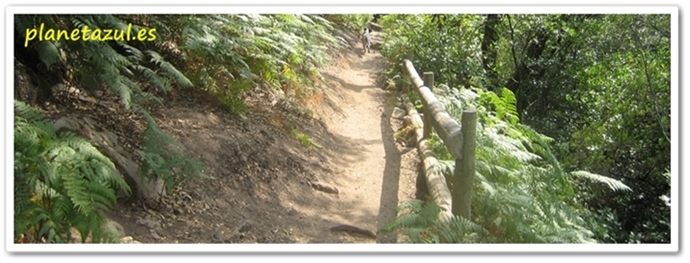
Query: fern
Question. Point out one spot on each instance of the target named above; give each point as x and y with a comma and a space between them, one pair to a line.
509, 105
350, 21
125, 68
244, 51
168, 69
163, 157
60, 181
611, 183
413, 214
419, 220
48, 52
514, 167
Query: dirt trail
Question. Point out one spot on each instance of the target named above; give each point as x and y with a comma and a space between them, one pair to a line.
370, 176
260, 188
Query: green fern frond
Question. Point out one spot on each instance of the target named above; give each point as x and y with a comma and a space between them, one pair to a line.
486, 185
101, 196
413, 214
23, 110
48, 52
611, 183
115, 82
107, 53
462, 230
163, 157
169, 69
76, 190
420, 222
111, 22
48, 229
77, 22
509, 103
135, 55
60, 179
153, 78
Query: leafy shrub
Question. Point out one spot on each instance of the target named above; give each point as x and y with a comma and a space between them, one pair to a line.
351, 21
61, 182
521, 195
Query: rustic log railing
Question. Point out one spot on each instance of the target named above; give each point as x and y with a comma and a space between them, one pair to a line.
460, 140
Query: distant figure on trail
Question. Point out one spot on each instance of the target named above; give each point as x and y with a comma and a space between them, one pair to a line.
366, 40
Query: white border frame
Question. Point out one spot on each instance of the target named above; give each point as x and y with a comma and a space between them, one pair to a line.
340, 8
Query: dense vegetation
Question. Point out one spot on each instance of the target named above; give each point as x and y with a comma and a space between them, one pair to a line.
574, 113
224, 55
574, 123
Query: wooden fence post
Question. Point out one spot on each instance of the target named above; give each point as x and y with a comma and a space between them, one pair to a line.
463, 179
459, 139
429, 83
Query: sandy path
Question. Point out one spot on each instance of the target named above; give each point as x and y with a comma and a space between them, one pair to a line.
369, 179
359, 157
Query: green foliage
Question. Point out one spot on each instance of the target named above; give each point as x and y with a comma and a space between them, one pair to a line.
303, 138
354, 22
505, 105
164, 158
597, 85
225, 55
230, 54
128, 69
419, 219
610, 183
136, 72
61, 181
444, 44
514, 167
120, 65
615, 120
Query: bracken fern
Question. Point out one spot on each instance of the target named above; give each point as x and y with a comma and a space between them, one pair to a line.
61, 181
521, 195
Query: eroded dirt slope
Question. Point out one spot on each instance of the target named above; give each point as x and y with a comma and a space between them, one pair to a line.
265, 186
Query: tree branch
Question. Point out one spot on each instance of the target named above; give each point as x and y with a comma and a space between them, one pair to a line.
512, 41
648, 78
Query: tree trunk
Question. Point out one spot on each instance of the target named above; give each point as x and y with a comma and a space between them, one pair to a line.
525, 71
489, 51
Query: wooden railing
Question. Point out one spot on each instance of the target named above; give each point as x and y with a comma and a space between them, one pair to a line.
460, 140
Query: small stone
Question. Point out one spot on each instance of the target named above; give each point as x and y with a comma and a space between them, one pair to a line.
155, 235
398, 113
129, 240
218, 238
324, 187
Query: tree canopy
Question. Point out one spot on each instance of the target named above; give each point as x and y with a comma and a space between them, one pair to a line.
584, 99
574, 132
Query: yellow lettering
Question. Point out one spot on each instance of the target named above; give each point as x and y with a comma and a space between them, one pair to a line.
96, 35
85, 34
30, 35
129, 31
50, 35
75, 34
40, 33
84, 31
152, 34
62, 33
141, 35
120, 37
108, 33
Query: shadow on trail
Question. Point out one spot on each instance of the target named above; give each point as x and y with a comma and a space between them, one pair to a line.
391, 177
348, 85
